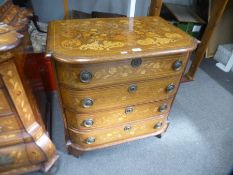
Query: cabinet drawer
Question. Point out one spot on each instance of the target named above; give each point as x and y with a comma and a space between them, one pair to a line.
4, 105
13, 137
109, 118
92, 75
120, 95
9, 123
122, 133
19, 155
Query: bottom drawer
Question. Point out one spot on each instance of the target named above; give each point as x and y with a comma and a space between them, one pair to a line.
97, 138
109, 118
20, 155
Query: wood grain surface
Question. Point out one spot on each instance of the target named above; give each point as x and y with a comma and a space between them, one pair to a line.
112, 39
18, 156
106, 50
119, 72
24, 145
111, 118
9, 123
111, 135
4, 106
116, 96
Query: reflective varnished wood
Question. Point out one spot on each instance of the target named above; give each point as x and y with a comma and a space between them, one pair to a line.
22, 127
115, 96
24, 143
17, 156
117, 78
9, 123
119, 72
96, 138
4, 105
109, 118
98, 40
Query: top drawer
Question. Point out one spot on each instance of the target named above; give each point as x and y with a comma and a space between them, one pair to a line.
83, 76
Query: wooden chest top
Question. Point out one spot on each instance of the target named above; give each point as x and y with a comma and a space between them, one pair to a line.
111, 39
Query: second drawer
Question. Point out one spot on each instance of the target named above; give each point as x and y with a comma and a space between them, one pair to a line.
120, 95
117, 116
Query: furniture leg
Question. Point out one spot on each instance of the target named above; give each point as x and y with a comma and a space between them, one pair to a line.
155, 7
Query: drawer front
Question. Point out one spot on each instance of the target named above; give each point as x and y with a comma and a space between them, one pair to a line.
84, 121
127, 131
120, 95
4, 105
19, 155
92, 75
9, 123
13, 137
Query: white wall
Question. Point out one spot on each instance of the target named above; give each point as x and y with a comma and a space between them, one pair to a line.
53, 9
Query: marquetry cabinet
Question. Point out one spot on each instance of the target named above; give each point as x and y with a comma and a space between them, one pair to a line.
117, 77
24, 143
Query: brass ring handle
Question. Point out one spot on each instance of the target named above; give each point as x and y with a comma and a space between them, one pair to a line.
158, 125
88, 123
127, 128
90, 140
170, 88
129, 109
85, 76
163, 107
177, 65
136, 62
132, 88
87, 102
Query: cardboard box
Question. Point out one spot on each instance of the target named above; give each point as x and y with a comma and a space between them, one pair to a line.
185, 18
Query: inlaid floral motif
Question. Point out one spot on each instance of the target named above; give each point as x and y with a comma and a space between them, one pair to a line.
147, 41
119, 133
39, 148
70, 44
114, 117
106, 45
147, 91
118, 72
15, 88
82, 37
4, 106
8, 124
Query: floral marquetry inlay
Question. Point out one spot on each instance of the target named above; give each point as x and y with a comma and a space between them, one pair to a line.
84, 40
121, 71
15, 88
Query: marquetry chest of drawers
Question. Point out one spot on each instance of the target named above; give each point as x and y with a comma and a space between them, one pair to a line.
117, 77
24, 144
